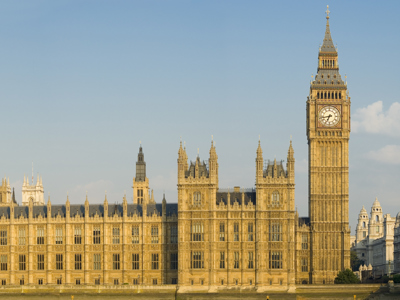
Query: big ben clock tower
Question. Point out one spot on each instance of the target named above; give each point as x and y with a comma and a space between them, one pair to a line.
328, 133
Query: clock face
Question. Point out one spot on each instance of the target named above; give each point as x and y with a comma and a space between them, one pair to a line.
329, 116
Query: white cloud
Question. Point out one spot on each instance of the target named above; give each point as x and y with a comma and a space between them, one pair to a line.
389, 154
373, 119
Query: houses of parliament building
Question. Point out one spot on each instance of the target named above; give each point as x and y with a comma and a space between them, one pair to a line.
211, 238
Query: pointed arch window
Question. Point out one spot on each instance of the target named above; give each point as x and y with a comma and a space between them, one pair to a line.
197, 199
275, 198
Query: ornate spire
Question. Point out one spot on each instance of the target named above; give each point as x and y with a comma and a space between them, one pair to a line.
140, 166
259, 150
327, 45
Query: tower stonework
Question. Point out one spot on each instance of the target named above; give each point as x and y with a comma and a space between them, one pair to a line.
328, 133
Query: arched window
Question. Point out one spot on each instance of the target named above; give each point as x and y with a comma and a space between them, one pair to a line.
377, 218
197, 199
363, 224
275, 198
318, 95
340, 95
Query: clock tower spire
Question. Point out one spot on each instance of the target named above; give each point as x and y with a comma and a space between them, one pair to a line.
328, 133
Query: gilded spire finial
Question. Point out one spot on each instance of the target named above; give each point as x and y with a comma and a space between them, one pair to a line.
327, 12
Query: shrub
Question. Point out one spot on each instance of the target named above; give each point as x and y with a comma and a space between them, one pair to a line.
396, 278
346, 277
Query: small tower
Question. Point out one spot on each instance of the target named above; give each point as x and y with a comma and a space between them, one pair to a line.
34, 192
376, 222
362, 226
5, 192
140, 182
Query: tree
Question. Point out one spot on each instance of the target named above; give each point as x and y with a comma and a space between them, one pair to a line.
355, 262
346, 277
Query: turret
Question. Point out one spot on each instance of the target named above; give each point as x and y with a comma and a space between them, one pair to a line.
376, 222
362, 226
259, 163
140, 182
213, 163
140, 166
290, 163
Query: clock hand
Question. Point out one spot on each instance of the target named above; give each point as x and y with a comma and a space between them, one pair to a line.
329, 117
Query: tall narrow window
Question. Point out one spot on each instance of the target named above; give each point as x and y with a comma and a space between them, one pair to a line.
236, 260
221, 232
275, 259
154, 234
304, 265
40, 235
174, 261
3, 262
250, 232
154, 261
22, 262
115, 234
197, 260
304, 242
197, 199
174, 234
197, 232
3, 237
116, 261
251, 260
59, 261
222, 260
78, 235
236, 232
275, 198
78, 261
140, 196
135, 234
275, 232
59, 235
21, 236
96, 235
40, 262
135, 261
97, 261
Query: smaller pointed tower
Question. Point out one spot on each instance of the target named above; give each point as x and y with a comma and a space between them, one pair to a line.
140, 182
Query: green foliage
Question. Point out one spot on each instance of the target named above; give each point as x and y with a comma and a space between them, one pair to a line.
355, 262
396, 278
346, 277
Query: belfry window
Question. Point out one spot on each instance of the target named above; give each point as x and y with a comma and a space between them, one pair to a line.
140, 196
197, 199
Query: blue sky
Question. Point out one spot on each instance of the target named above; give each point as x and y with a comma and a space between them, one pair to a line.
82, 82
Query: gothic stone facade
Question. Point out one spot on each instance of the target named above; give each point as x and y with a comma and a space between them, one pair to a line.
211, 238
